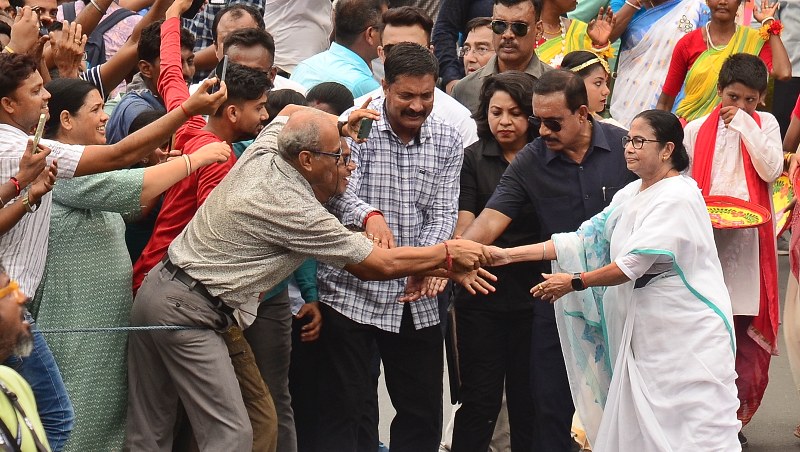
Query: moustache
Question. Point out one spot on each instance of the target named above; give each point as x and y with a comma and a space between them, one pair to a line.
413, 114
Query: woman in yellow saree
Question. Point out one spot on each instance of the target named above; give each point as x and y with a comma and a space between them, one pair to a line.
699, 55
559, 35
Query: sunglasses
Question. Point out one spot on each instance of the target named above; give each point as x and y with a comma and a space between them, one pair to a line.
552, 124
345, 159
518, 28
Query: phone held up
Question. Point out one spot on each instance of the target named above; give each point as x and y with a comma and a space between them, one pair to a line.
39, 130
364, 128
219, 72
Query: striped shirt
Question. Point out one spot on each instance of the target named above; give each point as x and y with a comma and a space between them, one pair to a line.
23, 249
416, 186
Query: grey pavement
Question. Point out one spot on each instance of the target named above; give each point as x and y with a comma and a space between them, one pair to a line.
769, 431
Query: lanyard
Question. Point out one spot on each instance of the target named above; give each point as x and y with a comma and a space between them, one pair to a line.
12, 397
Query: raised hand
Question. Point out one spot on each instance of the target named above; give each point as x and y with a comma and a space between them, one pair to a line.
44, 183
178, 7
217, 152
203, 103
67, 48
25, 31
766, 10
31, 165
600, 28
354, 120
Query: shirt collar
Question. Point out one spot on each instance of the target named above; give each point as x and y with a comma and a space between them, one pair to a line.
599, 141
8, 128
491, 149
534, 67
344, 53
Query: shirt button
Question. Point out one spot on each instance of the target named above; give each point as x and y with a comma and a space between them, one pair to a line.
580, 167
585, 196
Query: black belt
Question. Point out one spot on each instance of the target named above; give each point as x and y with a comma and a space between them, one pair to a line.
195, 285
645, 279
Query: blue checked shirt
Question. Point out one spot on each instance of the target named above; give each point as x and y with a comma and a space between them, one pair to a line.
416, 186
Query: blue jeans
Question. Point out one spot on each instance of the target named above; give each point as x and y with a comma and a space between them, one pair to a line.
41, 372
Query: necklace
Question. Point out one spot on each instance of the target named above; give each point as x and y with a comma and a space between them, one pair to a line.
710, 43
562, 31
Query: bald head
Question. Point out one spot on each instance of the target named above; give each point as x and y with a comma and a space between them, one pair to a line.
307, 129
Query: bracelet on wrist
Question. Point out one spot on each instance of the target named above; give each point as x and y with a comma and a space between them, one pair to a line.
8, 49
188, 164
774, 28
15, 181
183, 109
636, 7
97, 7
764, 20
448, 259
370, 215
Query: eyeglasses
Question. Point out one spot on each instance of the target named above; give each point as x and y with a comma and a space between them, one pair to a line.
466, 50
13, 289
518, 28
637, 142
552, 124
337, 155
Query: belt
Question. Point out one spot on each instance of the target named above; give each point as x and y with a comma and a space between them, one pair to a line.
195, 285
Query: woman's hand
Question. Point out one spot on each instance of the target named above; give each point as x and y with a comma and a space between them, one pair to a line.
67, 49
31, 165
354, 121
43, 184
217, 152
202, 103
599, 29
498, 256
766, 10
25, 31
553, 287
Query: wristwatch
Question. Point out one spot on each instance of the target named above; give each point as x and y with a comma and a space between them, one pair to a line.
577, 282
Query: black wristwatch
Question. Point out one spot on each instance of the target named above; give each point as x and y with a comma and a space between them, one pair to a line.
577, 282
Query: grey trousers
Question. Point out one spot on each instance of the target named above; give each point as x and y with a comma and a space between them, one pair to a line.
192, 366
270, 337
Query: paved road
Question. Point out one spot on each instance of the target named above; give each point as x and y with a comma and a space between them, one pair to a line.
769, 431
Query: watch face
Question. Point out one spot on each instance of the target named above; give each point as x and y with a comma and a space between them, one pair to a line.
577, 283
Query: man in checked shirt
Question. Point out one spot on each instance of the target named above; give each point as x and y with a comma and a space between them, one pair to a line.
404, 192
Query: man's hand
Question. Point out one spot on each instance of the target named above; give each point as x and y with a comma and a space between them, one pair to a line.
44, 183
25, 31
378, 231
178, 8
31, 165
727, 114
310, 331
414, 290
434, 286
467, 255
354, 121
67, 48
475, 281
216, 152
202, 103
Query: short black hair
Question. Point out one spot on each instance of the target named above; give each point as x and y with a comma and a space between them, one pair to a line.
237, 10
5, 29
746, 69
566, 82
144, 118
149, 47
537, 6
278, 99
67, 94
518, 85
250, 37
408, 16
478, 22
245, 83
412, 59
352, 17
334, 94
15, 68
667, 128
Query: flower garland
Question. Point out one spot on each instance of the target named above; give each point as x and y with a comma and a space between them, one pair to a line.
773, 28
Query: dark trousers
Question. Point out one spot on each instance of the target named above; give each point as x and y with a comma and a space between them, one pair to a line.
303, 387
784, 100
413, 366
552, 400
494, 349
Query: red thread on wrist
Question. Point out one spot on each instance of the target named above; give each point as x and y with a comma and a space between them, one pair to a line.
370, 215
185, 112
583, 281
16, 184
448, 259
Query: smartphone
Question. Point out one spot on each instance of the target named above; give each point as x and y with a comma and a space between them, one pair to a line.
219, 72
364, 128
39, 131
194, 9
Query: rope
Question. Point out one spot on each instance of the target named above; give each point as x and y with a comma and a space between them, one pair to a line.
119, 329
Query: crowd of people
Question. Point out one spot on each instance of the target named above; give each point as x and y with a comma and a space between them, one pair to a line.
221, 221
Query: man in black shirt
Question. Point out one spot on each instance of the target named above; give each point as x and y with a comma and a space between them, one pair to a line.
568, 175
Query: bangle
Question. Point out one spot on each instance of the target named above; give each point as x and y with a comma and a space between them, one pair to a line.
544, 249
448, 259
185, 112
8, 49
97, 7
775, 28
766, 19
15, 181
340, 125
583, 281
637, 8
370, 215
2, 203
188, 164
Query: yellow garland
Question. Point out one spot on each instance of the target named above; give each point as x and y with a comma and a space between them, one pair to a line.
767, 29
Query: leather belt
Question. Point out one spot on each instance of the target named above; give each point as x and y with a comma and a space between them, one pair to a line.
195, 285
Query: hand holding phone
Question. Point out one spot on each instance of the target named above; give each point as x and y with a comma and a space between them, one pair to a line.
364, 127
39, 131
220, 71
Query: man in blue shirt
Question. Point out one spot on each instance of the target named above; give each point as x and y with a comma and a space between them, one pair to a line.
357, 27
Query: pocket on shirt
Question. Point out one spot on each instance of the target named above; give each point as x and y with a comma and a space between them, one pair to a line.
425, 187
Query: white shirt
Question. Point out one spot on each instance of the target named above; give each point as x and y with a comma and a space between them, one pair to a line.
278, 83
738, 248
23, 249
301, 29
447, 109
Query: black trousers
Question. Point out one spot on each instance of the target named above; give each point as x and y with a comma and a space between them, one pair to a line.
783, 101
552, 399
303, 387
494, 350
413, 367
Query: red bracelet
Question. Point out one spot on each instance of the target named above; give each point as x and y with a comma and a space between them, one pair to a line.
16, 184
583, 281
448, 259
370, 215
185, 112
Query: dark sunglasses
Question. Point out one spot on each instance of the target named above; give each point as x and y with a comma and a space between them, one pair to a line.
518, 28
552, 124
339, 156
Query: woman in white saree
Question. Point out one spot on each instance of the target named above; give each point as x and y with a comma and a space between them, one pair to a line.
649, 346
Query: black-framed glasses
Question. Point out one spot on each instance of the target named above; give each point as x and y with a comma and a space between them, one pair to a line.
637, 142
480, 50
552, 124
339, 156
518, 28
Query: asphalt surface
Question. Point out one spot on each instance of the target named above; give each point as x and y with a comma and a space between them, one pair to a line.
769, 431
